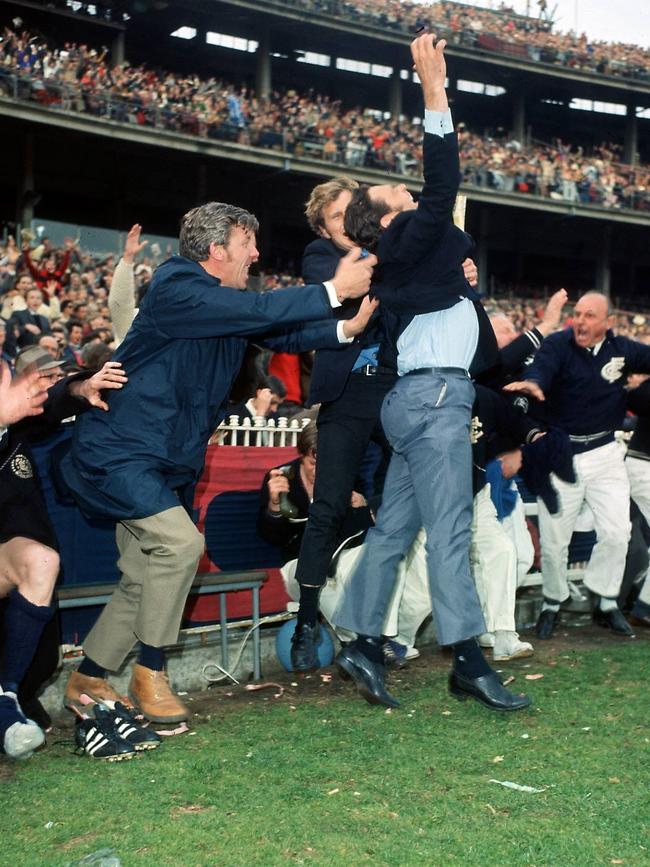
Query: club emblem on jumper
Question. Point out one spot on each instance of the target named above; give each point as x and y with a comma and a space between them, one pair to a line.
521, 403
613, 370
475, 430
21, 467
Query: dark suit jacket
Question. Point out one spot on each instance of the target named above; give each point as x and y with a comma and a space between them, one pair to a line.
24, 317
332, 366
421, 253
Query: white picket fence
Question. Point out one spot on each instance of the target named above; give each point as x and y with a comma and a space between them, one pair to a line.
260, 432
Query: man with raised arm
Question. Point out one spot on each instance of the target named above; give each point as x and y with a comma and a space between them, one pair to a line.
440, 331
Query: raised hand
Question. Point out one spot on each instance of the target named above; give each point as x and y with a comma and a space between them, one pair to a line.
431, 67
553, 312
133, 245
20, 397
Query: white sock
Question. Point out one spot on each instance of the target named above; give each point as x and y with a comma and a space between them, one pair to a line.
606, 604
550, 606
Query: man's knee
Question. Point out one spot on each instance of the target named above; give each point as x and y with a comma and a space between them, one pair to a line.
615, 535
187, 544
36, 568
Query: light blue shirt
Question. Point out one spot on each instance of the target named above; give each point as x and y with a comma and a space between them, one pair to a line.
438, 122
444, 338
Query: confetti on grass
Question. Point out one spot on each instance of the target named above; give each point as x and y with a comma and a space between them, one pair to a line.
508, 785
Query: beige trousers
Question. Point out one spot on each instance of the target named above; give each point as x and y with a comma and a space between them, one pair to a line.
158, 560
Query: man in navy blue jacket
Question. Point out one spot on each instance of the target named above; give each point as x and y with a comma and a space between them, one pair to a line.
440, 331
581, 374
139, 463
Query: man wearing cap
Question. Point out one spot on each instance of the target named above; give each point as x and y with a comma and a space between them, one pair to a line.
29, 563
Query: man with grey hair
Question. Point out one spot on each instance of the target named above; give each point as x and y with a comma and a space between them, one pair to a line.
138, 465
581, 374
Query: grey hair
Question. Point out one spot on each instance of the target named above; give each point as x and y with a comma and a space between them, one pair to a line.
211, 223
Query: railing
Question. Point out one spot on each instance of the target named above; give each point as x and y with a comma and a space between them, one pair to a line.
281, 432
398, 158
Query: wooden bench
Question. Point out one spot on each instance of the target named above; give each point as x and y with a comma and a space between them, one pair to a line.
85, 595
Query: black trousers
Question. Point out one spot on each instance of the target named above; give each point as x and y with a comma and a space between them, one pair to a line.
345, 427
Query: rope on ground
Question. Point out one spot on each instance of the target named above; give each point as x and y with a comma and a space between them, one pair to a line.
225, 674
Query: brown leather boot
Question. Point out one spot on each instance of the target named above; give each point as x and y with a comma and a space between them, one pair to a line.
150, 691
96, 688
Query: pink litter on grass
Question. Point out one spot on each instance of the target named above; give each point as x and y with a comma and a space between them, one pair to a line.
254, 687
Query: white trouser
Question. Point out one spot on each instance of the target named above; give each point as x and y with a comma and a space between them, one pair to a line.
410, 603
638, 472
516, 527
601, 482
493, 560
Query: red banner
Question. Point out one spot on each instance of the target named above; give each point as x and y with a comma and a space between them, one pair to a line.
226, 499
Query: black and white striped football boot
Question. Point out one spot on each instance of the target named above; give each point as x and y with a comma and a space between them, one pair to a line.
99, 740
128, 727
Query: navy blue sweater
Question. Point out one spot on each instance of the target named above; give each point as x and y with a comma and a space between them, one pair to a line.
584, 392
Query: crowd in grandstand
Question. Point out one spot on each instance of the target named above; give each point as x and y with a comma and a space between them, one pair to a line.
75, 301
452, 389
496, 30
80, 78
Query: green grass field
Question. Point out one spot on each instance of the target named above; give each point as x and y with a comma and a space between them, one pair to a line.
320, 777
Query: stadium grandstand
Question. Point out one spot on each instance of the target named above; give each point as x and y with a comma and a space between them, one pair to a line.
135, 111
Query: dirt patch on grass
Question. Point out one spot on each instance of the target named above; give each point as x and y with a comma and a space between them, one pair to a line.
189, 809
76, 841
7, 771
575, 635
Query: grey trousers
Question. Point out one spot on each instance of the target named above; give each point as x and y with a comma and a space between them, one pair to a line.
426, 418
158, 560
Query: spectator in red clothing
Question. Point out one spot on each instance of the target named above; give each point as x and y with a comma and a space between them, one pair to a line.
48, 273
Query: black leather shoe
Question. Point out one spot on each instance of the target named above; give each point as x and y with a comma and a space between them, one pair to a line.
367, 675
487, 690
304, 641
546, 623
615, 621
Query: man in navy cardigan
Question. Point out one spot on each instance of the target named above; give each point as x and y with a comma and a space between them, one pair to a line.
440, 332
581, 374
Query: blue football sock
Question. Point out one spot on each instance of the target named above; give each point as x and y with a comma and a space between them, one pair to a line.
469, 660
24, 623
151, 657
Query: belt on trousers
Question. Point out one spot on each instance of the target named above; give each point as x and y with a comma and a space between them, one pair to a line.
373, 370
420, 371
590, 438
